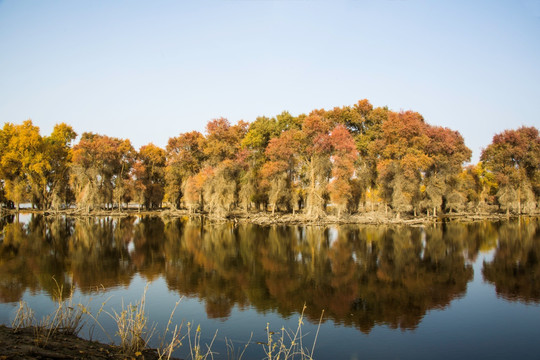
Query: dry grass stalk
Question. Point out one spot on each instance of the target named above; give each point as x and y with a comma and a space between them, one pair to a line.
66, 319
24, 317
132, 327
167, 348
195, 349
231, 354
134, 333
289, 344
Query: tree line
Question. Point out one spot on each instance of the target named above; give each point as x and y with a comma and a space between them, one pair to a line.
350, 159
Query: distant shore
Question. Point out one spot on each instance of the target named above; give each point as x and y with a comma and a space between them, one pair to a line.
267, 218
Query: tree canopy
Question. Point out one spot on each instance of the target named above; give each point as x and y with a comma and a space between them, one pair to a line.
341, 161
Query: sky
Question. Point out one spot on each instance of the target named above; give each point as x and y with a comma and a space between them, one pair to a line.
150, 70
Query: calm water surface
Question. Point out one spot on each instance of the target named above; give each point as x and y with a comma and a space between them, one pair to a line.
442, 291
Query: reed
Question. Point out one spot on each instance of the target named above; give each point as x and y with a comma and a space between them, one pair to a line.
196, 351
289, 344
135, 333
131, 323
232, 354
167, 348
67, 318
24, 317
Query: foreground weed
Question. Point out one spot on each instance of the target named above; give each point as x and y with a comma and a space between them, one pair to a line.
232, 354
67, 318
24, 317
289, 343
132, 326
96, 320
195, 350
135, 334
167, 347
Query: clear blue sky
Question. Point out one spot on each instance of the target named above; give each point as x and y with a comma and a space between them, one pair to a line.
149, 70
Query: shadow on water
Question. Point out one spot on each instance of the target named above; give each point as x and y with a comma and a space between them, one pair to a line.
362, 276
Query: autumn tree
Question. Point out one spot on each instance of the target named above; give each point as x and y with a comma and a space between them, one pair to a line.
11, 166
315, 161
514, 158
58, 152
285, 121
364, 122
343, 160
35, 168
447, 151
149, 170
479, 187
223, 140
184, 159
222, 186
221, 147
194, 189
101, 170
279, 174
259, 133
402, 159
356, 157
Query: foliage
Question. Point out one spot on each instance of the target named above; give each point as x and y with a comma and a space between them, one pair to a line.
351, 159
514, 158
101, 170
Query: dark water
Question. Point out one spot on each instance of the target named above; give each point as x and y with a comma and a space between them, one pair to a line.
435, 292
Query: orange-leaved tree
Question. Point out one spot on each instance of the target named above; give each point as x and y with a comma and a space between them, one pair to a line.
514, 158
184, 159
344, 156
101, 170
150, 172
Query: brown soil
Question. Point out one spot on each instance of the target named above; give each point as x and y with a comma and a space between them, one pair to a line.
26, 344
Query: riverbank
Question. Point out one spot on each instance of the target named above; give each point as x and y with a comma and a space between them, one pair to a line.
267, 218
25, 344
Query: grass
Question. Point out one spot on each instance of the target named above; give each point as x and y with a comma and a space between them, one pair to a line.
232, 354
167, 348
132, 326
134, 331
24, 317
195, 349
67, 318
289, 344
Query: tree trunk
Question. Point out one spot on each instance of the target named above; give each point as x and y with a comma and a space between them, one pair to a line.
519, 200
311, 188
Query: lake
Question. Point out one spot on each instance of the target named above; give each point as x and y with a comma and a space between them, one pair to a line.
439, 291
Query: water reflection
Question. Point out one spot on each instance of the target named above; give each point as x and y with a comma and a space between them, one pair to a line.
361, 275
515, 269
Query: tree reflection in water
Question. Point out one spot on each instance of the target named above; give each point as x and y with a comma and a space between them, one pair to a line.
515, 269
360, 275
